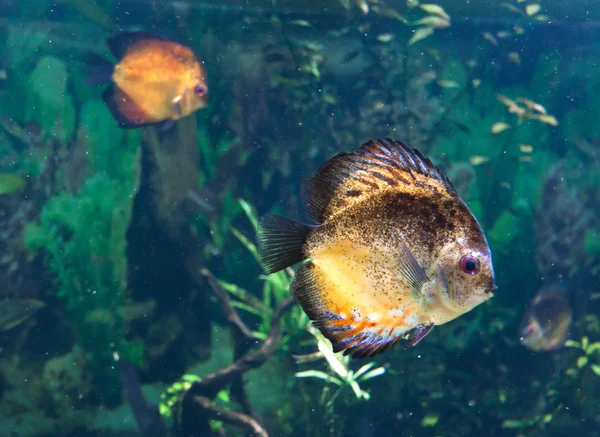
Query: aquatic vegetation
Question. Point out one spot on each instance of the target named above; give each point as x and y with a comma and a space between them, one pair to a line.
10, 182
83, 238
48, 103
138, 243
13, 312
589, 358
340, 372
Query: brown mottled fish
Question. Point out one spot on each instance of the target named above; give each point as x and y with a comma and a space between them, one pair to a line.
395, 251
155, 82
547, 321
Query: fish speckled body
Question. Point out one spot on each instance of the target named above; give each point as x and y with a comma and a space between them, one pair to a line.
155, 81
395, 250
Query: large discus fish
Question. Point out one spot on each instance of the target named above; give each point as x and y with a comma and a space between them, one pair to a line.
395, 251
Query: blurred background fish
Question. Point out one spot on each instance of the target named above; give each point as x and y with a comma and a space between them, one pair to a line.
155, 82
547, 322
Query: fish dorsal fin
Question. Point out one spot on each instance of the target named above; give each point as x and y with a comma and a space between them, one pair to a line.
380, 165
120, 42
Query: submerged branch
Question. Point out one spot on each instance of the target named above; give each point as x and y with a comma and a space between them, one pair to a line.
197, 404
232, 315
250, 360
231, 417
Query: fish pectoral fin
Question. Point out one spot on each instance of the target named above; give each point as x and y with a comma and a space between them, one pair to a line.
410, 269
165, 125
418, 334
356, 338
177, 106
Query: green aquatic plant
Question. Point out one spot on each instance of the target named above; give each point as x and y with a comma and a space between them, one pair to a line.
274, 291
539, 421
48, 103
10, 182
340, 372
82, 236
590, 356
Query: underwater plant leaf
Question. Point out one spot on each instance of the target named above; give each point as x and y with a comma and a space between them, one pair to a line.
164, 410
243, 294
595, 368
504, 230
334, 363
499, 127
435, 10
582, 361
14, 312
593, 348
430, 420
532, 9
320, 375
513, 424
356, 389
250, 213
373, 373
49, 103
246, 242
247, 308
572, 343
190, 378
10, 182
364, 369
420, 34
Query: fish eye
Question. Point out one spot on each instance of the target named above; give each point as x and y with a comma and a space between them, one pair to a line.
199, 90
527, 331
469, 265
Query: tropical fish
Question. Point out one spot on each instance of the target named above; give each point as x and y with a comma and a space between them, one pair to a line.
547, 321
156, 81
395, 251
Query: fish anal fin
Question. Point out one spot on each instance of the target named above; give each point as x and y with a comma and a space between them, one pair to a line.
123, 109
280, 242
384, 164
120, 42
360, 339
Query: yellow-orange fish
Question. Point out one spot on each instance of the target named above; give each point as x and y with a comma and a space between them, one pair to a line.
156, 81
395, 250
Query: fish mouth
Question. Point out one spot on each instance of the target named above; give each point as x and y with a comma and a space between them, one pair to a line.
492, 290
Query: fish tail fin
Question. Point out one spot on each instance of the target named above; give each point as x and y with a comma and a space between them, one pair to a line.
281, 242
99, 70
